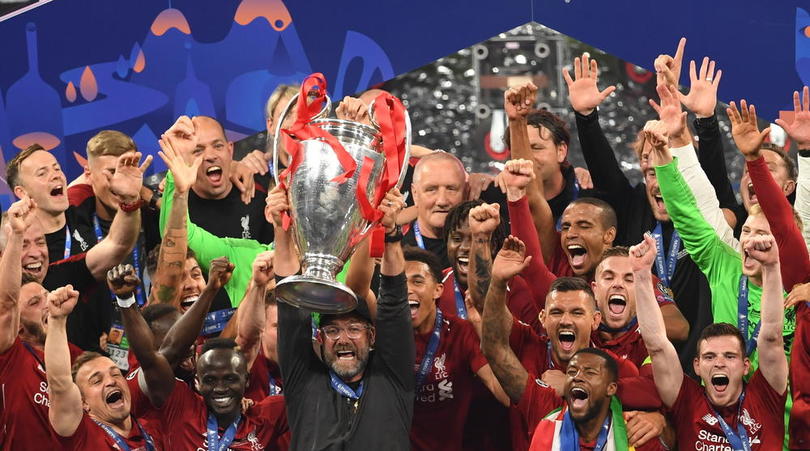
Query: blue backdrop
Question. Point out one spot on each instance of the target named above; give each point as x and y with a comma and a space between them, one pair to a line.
73, 67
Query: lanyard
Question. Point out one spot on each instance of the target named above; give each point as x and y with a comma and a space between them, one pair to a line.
68, 241
339, 386
569, 437
738, 441
272, 387
418, 234
136, 260
742, 317
215, 443
666, 270
574, 197
461, 308
33, 353
430, 351
122, 444
549, 361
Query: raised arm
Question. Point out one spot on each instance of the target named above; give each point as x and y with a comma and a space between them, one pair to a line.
518, 103
174, 247
585, 97
183, 333
497, 320
251, 311
19, 217
775, 205
666, 366
156, 375
65, 411
702, 97
483, 220
126, 226
799, 131
770, 344
516, 176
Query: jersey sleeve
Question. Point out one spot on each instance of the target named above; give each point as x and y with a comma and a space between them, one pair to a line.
80, 436
683, 409
10, 359
469, 342
538, 400
521, 303
272, 410
771, 400
526, 345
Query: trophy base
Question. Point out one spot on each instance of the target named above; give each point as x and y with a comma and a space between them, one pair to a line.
318, 295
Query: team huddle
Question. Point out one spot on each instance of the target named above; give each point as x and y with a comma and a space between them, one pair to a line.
544, 308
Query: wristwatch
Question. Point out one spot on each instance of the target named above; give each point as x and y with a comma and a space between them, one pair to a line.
395, 236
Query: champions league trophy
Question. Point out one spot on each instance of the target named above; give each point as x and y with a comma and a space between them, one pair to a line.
339, 172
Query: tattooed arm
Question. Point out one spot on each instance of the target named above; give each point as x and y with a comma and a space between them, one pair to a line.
483, 220
174, 248
497, 321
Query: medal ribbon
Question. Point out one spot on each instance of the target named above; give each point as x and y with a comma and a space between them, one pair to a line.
742, 317
665, 272
738, 441
121, 442
215, 442
461, 307
136, 260
430, 351
341, 387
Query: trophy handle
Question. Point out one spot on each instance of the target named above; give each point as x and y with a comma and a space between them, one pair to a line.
327, 107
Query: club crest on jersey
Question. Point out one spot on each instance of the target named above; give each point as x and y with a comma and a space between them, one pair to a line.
750, 423
441, 371
245, 221
80, 239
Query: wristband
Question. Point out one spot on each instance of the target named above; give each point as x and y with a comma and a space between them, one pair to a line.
804, 153
126, 302
395, 236
129, 208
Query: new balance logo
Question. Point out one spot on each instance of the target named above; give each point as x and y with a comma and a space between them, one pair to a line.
709, 418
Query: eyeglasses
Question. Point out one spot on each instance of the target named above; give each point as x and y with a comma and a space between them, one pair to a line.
354, 331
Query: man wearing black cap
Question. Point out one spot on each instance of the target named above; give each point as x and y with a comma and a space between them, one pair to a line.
361, 395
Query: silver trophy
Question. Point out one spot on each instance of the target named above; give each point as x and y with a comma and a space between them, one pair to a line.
326, 218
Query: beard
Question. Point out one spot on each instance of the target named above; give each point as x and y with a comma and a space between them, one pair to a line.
347, 372
34, 330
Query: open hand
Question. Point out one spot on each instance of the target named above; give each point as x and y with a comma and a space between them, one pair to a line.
670, 110
511, 260
257, 161
799, 128
352, 109
799, 293
184, 136
583, 93
702, 97
127, 181
643, 426
184, 174
744, 129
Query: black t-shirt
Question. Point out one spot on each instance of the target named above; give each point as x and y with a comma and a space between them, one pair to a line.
91, 316
570, 192
436, 246
80, 235
319, 416
229, 217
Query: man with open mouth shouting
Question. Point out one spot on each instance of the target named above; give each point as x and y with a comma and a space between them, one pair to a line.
590, 416
214, 418
448, 359
91, 409
725, 411
523, 361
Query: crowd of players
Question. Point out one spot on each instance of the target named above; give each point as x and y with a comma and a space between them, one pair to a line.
546, 308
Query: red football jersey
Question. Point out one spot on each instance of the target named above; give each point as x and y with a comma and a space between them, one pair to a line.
185, 418
90, 435
761, 414
443, 400
800, 380
263, 374
24, 404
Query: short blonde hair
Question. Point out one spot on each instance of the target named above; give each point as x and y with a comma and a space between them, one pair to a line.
110, 142
281, 92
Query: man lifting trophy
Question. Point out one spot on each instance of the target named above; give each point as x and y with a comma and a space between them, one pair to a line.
339, 172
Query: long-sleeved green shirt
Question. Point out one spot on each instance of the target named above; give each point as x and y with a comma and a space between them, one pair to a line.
721, 264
